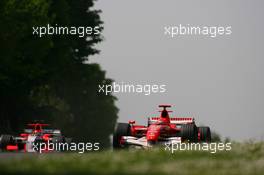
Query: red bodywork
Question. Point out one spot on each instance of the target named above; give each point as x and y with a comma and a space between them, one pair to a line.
162, 127
159, 130
19, 143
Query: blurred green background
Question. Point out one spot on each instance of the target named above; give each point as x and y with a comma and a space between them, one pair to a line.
50, 78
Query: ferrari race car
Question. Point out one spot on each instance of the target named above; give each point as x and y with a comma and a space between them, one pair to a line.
159, 130
35, 137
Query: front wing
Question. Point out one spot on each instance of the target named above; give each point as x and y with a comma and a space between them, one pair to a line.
142, 142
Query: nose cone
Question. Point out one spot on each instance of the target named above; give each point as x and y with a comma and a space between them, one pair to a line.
153, 132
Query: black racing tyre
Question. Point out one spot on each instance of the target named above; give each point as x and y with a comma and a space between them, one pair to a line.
189, 132
205, 134
58, 139
68, 140
122, 129
5, 140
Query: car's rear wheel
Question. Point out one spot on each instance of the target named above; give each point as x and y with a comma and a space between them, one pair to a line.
205, 134
122, 129
59, 141
5, 140
68, 140
189, 132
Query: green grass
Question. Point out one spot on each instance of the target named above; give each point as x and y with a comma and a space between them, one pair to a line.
244, 158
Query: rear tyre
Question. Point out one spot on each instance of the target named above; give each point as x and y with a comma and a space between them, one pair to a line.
189, 132
205, 134
58, 140
122, 129
5, 140
68, 140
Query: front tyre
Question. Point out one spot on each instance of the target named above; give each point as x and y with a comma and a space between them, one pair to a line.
5, 140
122, 129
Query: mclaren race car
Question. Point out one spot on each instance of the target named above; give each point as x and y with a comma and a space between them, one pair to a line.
159, 130
35, 137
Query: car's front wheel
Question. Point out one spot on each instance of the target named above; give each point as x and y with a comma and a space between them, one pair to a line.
122, 129
5, 140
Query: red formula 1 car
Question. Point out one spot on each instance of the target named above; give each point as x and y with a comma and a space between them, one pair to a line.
32, 138
160, 130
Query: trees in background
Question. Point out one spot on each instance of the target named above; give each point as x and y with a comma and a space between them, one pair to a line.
50, 78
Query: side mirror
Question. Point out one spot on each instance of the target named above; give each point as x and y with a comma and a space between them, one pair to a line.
131, 122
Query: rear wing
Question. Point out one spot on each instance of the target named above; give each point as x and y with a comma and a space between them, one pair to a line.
181, 120
44, 131
173, 120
